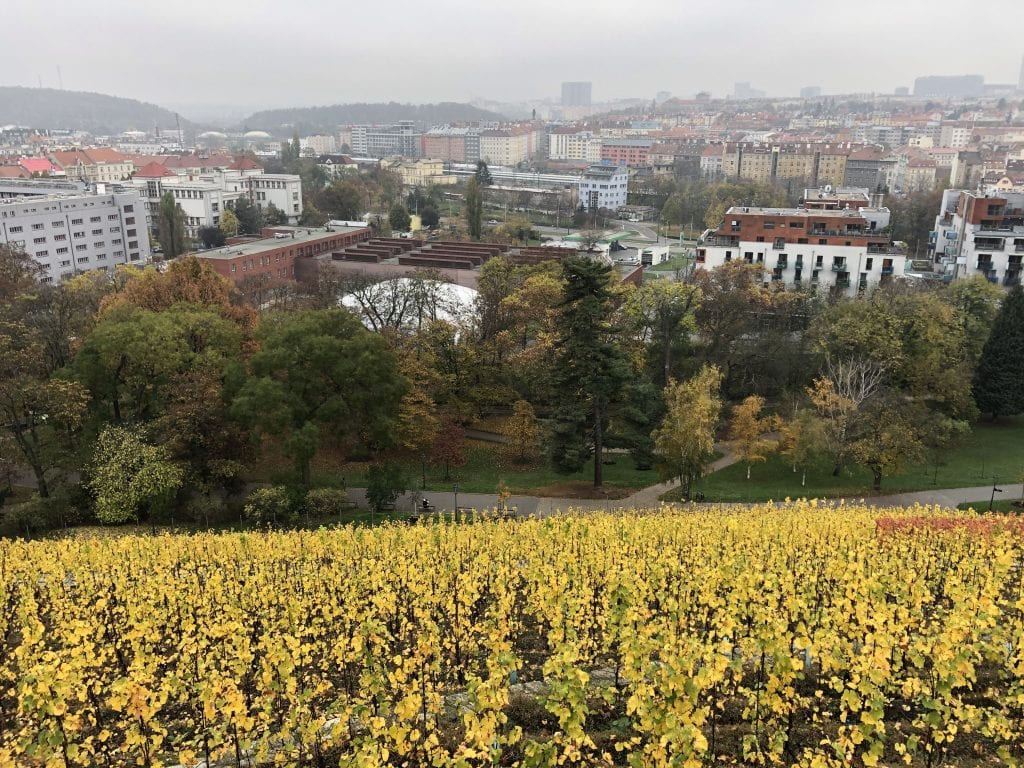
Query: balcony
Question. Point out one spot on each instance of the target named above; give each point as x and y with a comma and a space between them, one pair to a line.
727, 242
1011, 279
782, 264
887, 270
988, 245
983, 266
1018, 248
777, 246
841, 268
843, 282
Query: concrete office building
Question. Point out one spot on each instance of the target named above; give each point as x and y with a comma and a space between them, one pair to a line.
949, 85
603, 186
69, 234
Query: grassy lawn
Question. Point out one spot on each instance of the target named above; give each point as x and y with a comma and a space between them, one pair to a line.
486, 467
991, 449
676, 262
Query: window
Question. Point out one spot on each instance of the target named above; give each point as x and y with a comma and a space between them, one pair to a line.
60, 237
14, 230
130, 233
97, 232
37, 226
118, 254
76, 221
65, 263
82, 247
133, 244
41, 254
112, 217
78, 235
99, 244
101, 257
38, 240
116, 241
129, 220
95, 219
62, 250
868, 263
83, 259
129, 208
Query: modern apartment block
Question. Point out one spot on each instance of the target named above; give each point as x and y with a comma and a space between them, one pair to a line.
979, 234
628, 152
603, 186
74, 233
386, 141
452, 144
574, 146
828, 246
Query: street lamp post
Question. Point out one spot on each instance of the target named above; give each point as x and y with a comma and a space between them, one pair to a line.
455, 504
423, 468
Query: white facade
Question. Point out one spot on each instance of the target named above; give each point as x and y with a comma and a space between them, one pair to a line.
204, 197
582, 147
505, 147
283, 190
977, 234
604, 186
804, 249
72, 234
320, 144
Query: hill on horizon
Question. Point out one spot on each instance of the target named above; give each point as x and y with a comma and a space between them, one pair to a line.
311, 119
82, 110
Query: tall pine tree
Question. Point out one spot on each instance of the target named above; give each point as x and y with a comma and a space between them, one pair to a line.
590, 370
999, 378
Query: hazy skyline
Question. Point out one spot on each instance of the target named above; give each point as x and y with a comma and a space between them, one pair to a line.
256, 53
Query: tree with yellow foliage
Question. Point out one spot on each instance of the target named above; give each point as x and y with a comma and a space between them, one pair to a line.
747, 431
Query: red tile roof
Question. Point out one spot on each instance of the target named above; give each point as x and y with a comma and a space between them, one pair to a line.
13, 172
245, 164
36, 164
154, 170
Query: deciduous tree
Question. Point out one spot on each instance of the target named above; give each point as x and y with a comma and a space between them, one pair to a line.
130, 476
522, 432
449, 447
321, 370
747, 431
684, 443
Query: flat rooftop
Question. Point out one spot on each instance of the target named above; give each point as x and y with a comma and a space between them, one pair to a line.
804, 212
294, 236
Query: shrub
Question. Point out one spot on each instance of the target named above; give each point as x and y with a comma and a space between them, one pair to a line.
269, 506
326, 502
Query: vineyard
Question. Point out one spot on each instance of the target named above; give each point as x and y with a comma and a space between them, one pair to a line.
794, 636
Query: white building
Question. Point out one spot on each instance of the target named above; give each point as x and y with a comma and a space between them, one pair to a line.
574, 146
840, 251
979, 234
319, 144
603, 186
204, 196
74, 233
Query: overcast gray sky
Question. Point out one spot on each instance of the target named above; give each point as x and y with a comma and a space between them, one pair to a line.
305, 52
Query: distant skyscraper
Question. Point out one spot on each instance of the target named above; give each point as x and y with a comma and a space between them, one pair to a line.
744, 91
810, 92
576, 94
